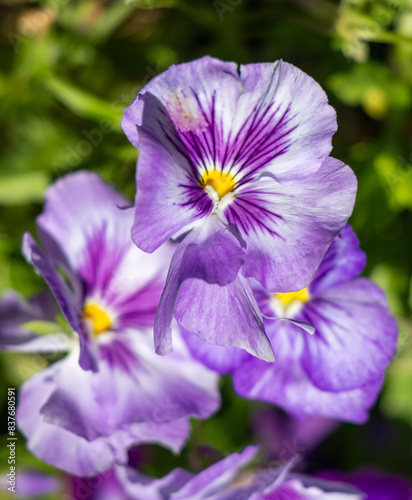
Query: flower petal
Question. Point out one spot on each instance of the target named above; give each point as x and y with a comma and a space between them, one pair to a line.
288, 226
355, 336
264, 116
15, 312
77, 206
286, 384
183, 89
70, 303
133, 385
32, 484
72, 453
138, 486
213, 479
218, 358
210, 253
343, 261
226, 316
167, 199
50, 442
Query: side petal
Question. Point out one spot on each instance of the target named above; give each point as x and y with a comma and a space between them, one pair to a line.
288, 226
68, 302
355, 336
343, 261
168, 196
210, 253
226, 316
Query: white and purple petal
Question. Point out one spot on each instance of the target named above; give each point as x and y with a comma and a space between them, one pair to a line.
225, 316
71, 452
67, 298
286, 384
133, 385
261, 116
287, 226
210, 253
355, 336
210, 482
343, 261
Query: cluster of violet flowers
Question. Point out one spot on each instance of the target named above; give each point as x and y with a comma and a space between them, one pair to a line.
235, 259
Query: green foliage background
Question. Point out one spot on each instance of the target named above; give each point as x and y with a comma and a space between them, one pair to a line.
69, 68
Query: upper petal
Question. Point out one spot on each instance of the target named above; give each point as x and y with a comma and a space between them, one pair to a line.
264, 116
183, 89
343, 261
77, 206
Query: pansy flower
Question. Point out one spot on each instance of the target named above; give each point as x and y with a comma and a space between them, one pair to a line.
227, 480
108, 291
337, 371
236, 160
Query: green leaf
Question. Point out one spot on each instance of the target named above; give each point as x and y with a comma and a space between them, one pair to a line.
84, 104
41, 327
397, 397
23, 188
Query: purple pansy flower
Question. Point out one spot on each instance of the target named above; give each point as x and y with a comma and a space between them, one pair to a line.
338, 371
224, 480
108, 290
236, 160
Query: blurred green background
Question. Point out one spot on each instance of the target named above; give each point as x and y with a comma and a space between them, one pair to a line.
69, 68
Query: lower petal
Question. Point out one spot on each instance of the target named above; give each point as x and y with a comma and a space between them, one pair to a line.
286, 384
355, 336
226, 316
52, 443
210, 253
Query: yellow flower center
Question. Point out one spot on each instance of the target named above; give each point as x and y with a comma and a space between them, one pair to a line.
221, 182
289, 297
99, 318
